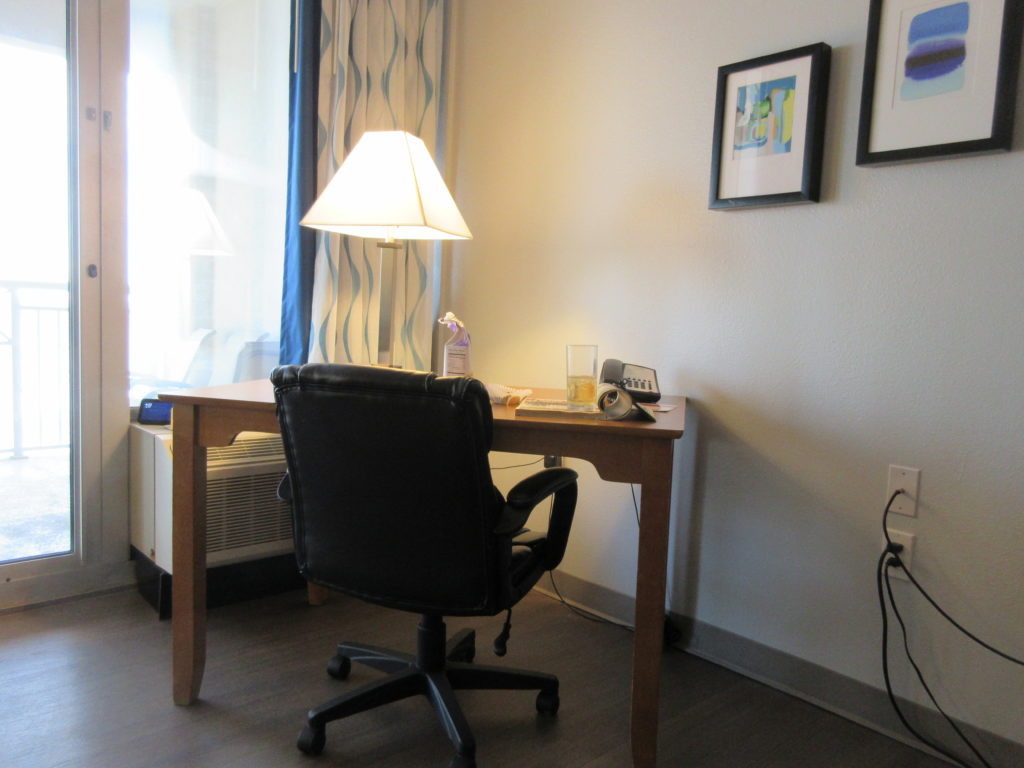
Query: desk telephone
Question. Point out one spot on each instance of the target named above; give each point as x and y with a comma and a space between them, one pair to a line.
641, 383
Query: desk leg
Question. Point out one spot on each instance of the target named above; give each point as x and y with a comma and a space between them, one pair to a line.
315, 594
188, 609
655, 501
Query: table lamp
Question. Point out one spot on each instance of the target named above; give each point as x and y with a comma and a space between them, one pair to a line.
388, 188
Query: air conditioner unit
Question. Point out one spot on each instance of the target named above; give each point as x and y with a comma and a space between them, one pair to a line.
245, 519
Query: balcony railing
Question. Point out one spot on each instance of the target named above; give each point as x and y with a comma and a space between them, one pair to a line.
34, 366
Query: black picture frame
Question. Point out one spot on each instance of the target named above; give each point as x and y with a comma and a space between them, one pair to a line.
742, 175
896, 129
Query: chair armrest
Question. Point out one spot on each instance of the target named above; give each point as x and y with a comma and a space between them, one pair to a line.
531, 491
527, 494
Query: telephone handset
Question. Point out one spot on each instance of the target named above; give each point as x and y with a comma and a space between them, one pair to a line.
640, 382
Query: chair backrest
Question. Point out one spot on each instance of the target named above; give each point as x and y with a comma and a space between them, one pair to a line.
392, 493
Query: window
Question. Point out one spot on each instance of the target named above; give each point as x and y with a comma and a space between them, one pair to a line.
207, 174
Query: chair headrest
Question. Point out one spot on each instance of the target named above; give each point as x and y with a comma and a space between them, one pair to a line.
346, 376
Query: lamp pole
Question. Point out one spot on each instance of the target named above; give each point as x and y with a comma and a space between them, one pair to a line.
385, 329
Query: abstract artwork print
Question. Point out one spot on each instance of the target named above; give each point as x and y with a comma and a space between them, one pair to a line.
764, 118
936, 51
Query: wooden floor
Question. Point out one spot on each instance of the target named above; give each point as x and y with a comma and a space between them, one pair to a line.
87, 684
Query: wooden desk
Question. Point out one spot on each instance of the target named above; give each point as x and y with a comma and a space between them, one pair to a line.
627, 452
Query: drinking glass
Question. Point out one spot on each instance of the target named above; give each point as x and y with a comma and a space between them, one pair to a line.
581, 376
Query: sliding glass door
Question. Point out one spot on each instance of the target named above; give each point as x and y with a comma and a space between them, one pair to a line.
64, 500
36, 519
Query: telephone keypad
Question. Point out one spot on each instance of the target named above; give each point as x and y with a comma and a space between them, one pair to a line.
643, 388
637, 380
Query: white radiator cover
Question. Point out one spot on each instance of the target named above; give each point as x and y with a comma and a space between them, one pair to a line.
244, 518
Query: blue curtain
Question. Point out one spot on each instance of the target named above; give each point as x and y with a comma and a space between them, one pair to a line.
300, 242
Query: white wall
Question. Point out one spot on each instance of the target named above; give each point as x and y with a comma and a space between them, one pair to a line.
819, 343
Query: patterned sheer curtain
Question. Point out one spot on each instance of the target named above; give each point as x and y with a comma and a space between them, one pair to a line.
381, 68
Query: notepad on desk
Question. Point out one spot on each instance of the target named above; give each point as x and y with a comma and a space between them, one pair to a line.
613, 404
541, 407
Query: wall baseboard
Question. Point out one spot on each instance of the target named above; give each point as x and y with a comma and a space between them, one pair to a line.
72, 583
856, 701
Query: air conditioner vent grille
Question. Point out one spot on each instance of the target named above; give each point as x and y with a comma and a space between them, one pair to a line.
247, 449
242, 511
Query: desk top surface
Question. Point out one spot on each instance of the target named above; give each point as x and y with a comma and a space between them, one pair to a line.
259, 395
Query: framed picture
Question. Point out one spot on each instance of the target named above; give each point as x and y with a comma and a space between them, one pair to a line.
770, 129
940, 79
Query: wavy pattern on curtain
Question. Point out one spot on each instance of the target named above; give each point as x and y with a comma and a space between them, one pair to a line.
381, 68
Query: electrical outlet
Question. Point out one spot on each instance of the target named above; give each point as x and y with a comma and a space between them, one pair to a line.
907, 555
909, 480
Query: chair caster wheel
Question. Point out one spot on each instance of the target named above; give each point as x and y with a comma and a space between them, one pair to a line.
547, 702
339, 667
312, 740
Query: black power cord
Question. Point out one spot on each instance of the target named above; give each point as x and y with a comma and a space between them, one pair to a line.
580, 611
671, 633
929, 598
890, 558
636, 507
516, 466
920, 677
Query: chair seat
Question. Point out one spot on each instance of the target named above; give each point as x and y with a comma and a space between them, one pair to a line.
526, 566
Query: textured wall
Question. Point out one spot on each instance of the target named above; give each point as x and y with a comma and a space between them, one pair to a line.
818, 343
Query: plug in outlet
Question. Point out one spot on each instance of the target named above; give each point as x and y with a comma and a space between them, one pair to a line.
907, 555
909, 480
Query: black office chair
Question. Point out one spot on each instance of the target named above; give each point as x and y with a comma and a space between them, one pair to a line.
393, 503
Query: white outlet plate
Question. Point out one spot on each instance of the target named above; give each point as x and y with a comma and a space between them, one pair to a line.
907, 555
909, 480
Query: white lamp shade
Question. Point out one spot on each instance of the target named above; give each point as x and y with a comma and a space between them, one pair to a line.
388, 188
